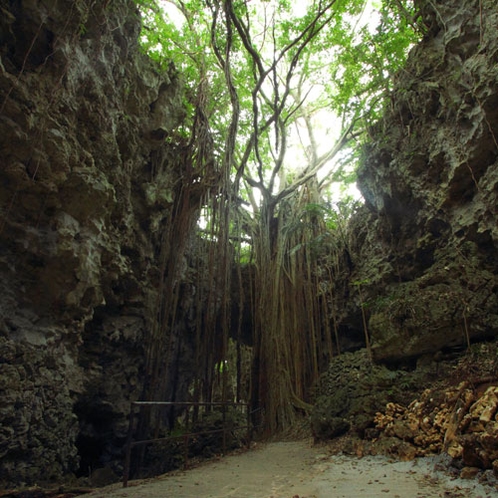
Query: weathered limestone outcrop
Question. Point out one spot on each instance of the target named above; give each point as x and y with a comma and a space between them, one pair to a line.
89, 172
349, 394
354, 389
456, 417
447, 406
424, 247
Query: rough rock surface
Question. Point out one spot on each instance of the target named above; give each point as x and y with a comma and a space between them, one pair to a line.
422, 279
354, 389
423, 248
460, 421
89, 172
454, 414
349, 394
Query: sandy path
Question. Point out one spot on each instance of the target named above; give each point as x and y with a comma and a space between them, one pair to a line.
290, 470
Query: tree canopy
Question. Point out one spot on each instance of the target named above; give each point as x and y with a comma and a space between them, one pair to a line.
262, 73
280, 95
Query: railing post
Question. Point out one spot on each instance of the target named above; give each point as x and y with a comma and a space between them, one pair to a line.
224, 422
129, 439
249, 430
185, 452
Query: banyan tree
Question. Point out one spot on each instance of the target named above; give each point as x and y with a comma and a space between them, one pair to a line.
279, 99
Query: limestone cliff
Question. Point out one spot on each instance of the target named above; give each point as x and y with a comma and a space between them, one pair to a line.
89, 174
424, 247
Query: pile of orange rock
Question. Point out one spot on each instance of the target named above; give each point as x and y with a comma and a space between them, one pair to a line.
460, 421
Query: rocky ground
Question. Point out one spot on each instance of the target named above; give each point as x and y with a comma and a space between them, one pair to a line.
445, 404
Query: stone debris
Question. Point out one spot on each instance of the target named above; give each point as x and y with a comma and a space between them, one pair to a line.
461, 421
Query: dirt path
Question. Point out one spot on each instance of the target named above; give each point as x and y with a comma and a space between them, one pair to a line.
297, 470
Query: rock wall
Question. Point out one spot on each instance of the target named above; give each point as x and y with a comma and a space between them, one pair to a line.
423, 249
90, 169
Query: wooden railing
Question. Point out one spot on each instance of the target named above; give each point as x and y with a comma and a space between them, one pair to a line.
131, 443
